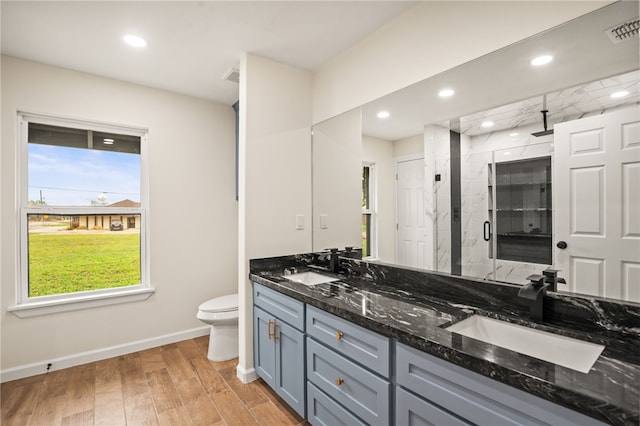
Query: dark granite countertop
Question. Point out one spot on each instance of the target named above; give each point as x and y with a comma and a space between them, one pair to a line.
609, 392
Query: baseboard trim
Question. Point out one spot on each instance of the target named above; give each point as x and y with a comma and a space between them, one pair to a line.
246, 376
28, 370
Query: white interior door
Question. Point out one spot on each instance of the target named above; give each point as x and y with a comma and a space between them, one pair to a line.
411, 236
597, 204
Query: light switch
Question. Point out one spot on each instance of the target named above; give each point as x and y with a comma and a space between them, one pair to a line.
323, 221
299, 221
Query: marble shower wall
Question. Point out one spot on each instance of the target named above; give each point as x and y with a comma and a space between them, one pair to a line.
477, 152
437, 145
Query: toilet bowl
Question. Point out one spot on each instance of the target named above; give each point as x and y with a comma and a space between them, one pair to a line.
221, 314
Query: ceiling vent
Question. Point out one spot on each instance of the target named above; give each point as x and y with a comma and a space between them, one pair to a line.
624, 31
232, 74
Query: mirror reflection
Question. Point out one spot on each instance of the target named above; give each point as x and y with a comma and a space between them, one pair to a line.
499, 169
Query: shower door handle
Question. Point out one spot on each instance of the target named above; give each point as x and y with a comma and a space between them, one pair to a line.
487, 230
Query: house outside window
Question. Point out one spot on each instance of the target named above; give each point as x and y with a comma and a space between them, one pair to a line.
368, 210
82, 217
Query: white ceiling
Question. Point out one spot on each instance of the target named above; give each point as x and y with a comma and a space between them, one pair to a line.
504, 88
193, 44
190, 44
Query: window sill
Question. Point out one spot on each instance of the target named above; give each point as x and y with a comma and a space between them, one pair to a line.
34, 309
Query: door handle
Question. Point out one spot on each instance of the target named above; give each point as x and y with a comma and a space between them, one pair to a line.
561, 245
269, 332
487, 230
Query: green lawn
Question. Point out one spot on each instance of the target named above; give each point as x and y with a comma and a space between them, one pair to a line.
68, 262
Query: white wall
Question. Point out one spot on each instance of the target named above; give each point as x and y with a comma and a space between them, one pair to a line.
192, 214
380, 152
410, 146
427, 39
275, 177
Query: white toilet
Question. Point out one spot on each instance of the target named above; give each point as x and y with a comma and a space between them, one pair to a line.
221, 314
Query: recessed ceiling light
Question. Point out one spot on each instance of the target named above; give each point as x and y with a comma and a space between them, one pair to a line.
514, 134
108, 141
541, 60
383, 114
620, 94
135, 41
445, 93
487, 124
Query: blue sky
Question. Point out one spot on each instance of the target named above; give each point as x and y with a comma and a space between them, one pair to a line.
75, 176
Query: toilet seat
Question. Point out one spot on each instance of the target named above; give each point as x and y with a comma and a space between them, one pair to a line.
226, 303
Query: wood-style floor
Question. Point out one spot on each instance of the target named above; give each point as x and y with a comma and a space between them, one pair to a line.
170, 385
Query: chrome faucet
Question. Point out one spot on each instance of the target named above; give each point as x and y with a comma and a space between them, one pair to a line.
534, 292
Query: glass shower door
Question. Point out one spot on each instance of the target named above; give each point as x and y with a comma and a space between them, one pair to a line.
520, 212
506, 210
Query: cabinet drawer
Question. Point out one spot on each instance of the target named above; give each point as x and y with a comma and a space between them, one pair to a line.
322, 410
279, 305
362, 392
475, 397
414, 411
364, 346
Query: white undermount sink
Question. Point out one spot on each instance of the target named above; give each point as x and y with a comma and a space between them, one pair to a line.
565, 351
310, 278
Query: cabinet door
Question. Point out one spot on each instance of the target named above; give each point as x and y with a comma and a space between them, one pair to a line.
479, 399
362, 392
279, 305
290, 377
324, 411
264, 352
414, 411
361, 345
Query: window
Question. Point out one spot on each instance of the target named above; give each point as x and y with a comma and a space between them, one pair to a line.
82, 212
368, 210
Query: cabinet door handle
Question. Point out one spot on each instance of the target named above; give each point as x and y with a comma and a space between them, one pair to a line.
339, 335
275, 331
487, 230
269, 332
339, 381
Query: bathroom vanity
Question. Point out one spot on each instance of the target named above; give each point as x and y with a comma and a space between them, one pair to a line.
372, 347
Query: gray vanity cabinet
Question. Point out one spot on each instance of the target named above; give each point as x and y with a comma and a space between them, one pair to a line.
348, 372
279, 346
437, 386
334, 372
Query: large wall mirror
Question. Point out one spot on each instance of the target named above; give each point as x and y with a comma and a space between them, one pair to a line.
481, 182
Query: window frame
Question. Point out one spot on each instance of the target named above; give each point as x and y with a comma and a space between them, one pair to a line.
371, 211
31, 306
